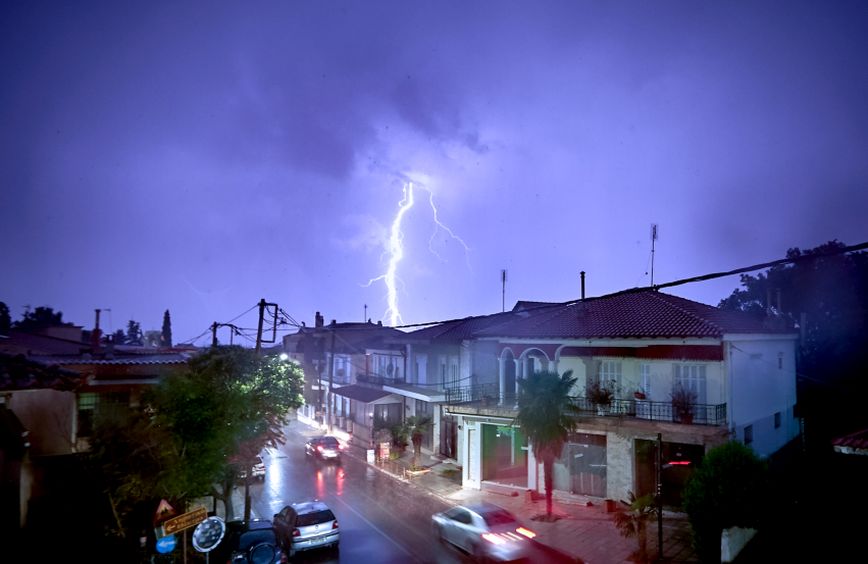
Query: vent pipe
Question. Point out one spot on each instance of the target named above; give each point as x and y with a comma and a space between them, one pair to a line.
583, 285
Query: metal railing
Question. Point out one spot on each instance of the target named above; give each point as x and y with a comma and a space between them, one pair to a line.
699, 414
379, 380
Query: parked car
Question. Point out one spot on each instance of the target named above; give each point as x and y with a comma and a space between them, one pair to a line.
251, 542
307, 525
258, 470
324, 448
485, 531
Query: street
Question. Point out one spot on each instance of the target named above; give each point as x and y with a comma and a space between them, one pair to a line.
382, 520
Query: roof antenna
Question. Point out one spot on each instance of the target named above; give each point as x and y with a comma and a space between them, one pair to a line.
653, 239
503, 290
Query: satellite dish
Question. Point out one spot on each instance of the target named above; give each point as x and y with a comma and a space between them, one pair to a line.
208, 534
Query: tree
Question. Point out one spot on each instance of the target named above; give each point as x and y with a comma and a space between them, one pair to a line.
418, 425
134, 333
5, 319
196, 429
166, 334
728, 489
822, 294
39, 319
119, 337
546, 415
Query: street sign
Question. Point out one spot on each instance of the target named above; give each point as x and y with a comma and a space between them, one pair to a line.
185, 521
208, 534
164, 511
166, 544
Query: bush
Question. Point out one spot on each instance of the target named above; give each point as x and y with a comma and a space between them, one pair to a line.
728, 489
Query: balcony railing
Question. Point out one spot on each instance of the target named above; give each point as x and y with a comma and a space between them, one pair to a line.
379, 380
701, 413
471, 394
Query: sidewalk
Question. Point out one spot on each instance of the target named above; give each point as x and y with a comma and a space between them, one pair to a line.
584, 529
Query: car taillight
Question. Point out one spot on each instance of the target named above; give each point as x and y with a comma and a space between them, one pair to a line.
335, 524
296, 533
526, 532
493, 539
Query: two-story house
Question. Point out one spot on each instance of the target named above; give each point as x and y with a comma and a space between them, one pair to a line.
351, 370
645, 346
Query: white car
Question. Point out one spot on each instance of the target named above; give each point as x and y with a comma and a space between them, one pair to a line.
485, 531
257, 471
307, 525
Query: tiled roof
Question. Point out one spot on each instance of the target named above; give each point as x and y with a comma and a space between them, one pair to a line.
469, 327
854, 443
20, 373
629, 314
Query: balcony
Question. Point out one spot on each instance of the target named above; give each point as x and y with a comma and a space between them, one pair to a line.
379, 380
485, 395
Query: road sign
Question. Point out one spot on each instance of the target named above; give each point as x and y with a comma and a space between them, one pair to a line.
185, 521
208, 534
167, 544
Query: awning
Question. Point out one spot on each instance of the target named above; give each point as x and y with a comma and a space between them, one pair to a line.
854, 443
361, 393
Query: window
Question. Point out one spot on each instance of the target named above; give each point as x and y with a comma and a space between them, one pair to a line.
91, 405
610, 371
86, 413
449, 371
423, 408
645, 378
690, 377
777, 420
748, 434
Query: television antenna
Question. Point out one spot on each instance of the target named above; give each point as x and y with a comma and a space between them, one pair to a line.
653, 239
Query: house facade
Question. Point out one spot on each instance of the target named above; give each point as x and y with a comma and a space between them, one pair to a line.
55, 383
737, 374
356, 377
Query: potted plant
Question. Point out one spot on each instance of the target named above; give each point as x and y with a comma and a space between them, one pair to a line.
601, 395
683, 403
633, 521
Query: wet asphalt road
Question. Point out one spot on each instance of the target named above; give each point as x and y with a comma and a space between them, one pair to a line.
382, 520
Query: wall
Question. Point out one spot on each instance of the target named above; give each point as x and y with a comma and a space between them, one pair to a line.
763, 382
49, 415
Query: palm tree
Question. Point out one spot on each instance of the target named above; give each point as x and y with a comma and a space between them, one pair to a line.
418, 426
546, 416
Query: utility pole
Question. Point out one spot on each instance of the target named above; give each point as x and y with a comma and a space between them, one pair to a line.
331, 382
262, 305
659, 497
214, 334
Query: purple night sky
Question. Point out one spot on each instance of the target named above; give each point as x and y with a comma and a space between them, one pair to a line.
199, 156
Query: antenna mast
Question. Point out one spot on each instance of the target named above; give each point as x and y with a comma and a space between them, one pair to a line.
503, 290
653, 239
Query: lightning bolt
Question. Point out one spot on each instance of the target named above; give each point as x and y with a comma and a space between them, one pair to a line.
395, 249
439, 224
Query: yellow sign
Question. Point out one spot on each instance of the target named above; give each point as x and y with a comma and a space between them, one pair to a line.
185, 521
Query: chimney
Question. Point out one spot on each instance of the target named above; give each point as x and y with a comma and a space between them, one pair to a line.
318, 323
95, 334
583, 285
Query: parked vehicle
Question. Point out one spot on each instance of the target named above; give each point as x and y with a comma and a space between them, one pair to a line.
324, 448
258, 470
307, 525
485, 531
251, 542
